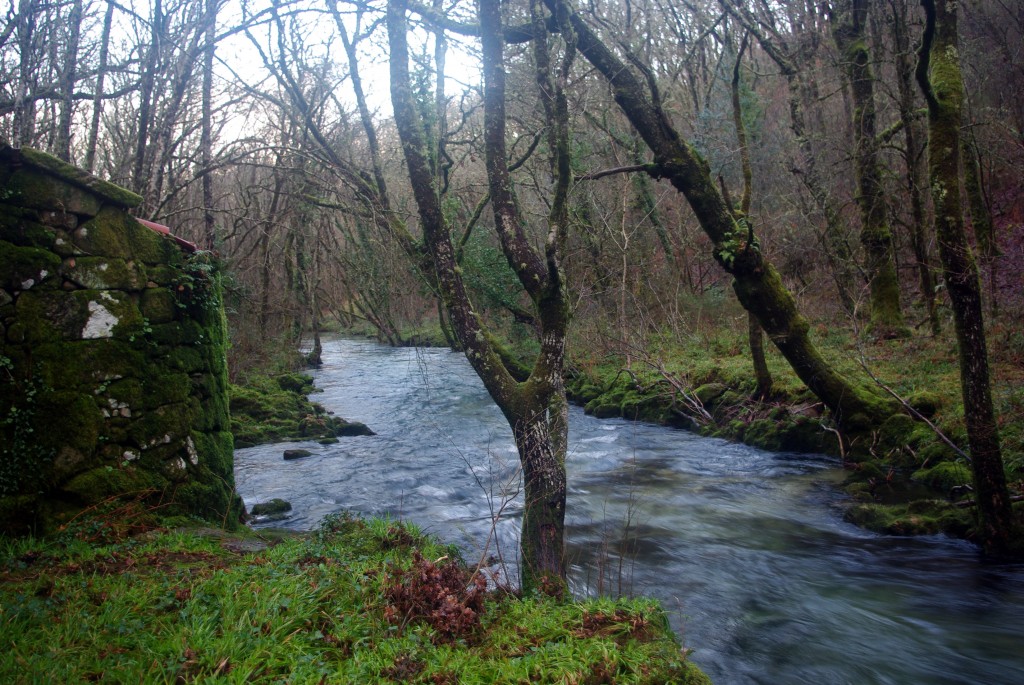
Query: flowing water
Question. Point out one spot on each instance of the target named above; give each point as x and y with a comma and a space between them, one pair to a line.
746, 549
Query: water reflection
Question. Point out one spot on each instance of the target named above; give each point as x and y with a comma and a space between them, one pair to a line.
745, 548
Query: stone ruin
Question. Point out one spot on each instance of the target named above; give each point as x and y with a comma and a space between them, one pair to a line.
113, 374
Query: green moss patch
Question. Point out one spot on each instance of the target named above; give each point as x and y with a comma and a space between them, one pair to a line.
275, 409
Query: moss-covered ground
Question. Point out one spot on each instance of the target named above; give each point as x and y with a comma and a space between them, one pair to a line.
113, 599
277, 408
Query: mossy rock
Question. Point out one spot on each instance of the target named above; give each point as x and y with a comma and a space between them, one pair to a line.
922, 517
164, 425
129, 392
187, 359
100, 484
162, 387
344, 428
274, 506
602, 408
69, 419
103, 273
30, 188
936, 451
709, 392
763, 433
158, 305
150, 247
68, 175
22, 227
22, 268
803, 434
88, 364
297, 383
944, 477
216, 452
896, 431
210, 500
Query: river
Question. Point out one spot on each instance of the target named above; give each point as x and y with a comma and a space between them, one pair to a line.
746, 549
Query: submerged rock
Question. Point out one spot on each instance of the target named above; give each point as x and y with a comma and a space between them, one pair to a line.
296, 454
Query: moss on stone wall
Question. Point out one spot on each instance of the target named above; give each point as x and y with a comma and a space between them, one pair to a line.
113, 355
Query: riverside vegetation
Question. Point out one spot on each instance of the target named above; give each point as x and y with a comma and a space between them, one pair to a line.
116, 597
905, 477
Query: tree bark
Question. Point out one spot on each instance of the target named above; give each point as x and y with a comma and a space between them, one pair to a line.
849, 30
68, 78
918, 228
981, 217
536, 408
762, 376
206, 135
97, 102
140, 179
24, 120
938, 74
757, 283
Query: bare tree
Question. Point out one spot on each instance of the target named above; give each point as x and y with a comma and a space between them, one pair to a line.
536, 408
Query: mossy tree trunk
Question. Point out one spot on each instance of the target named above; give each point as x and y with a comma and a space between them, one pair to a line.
911, 155
981, 217
536, 407
849, 30
762, 375
938, 74
757, 283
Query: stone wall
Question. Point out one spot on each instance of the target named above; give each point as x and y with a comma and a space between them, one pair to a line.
113, 377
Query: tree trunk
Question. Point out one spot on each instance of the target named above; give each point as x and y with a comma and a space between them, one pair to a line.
206, 135
757, 284
24, 119
140, 180
938, 74
918, 228
850, 33
67, 82
762, 375
981, 217
97, 101
535, 408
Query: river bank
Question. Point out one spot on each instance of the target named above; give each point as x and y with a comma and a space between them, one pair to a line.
905, 477
116, 598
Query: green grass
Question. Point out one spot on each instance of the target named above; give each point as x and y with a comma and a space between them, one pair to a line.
355, 602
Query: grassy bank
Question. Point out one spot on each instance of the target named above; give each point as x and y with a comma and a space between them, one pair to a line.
115, 600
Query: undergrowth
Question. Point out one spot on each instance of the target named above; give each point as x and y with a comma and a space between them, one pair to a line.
358, 601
